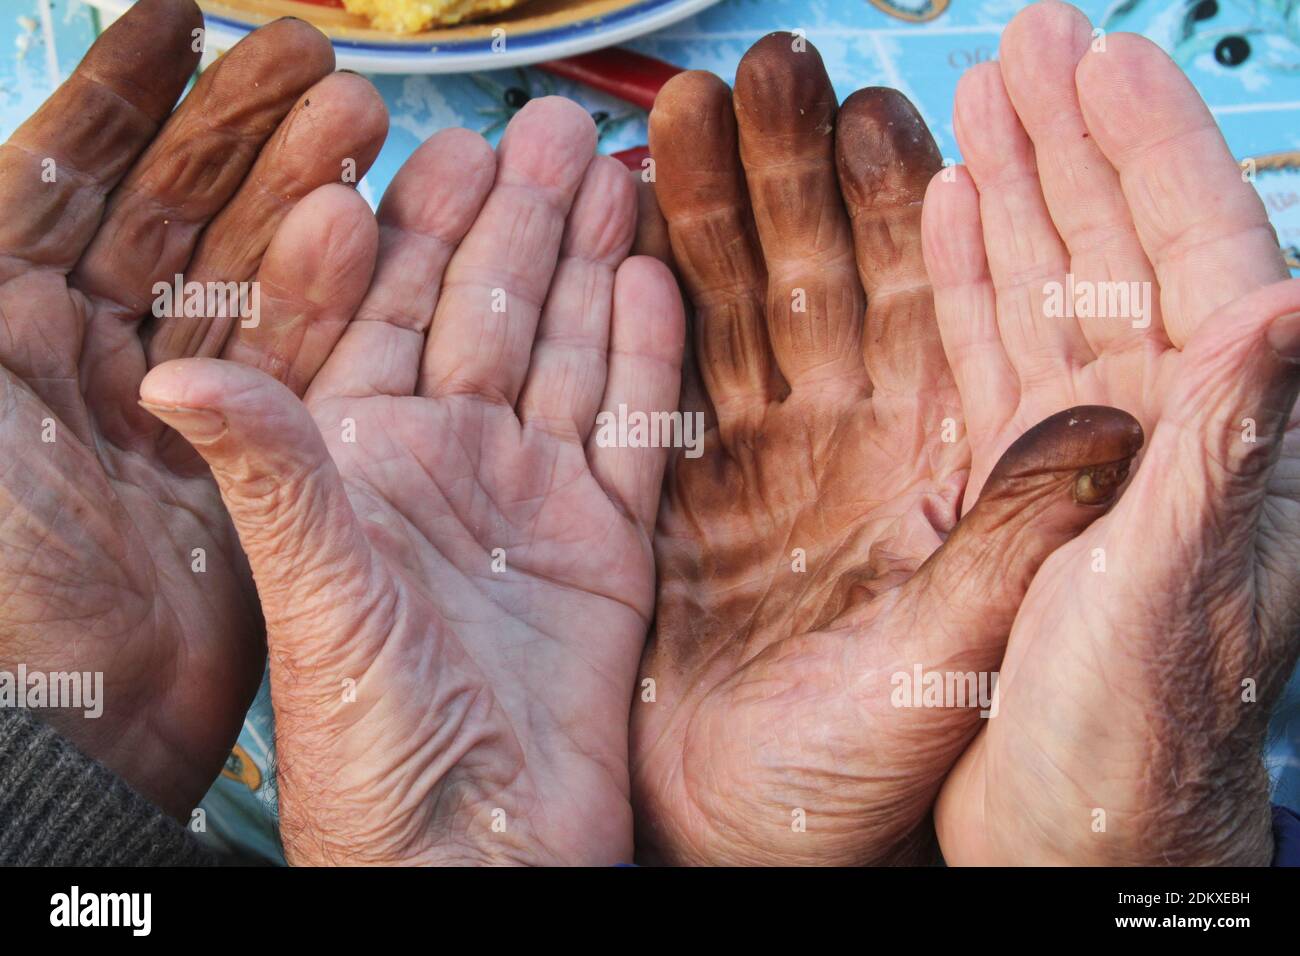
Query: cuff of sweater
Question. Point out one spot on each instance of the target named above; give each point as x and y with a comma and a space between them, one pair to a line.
59, 807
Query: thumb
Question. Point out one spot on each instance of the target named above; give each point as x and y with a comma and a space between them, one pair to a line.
277, 478
1053, 482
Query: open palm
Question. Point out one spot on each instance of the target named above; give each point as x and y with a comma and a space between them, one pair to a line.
797, 557
457, 578
116, 555
1143, 662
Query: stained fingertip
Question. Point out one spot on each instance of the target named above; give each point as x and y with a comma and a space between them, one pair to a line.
700, 189
884, 151
144, 57
783, 91
161, 12
121, 58
691, 126
301, 48
352, 98
1049, 486
1091, 445
692, 133
681, 95
333, 133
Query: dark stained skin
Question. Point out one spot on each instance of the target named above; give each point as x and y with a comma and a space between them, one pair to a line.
1054, 481
290, 165
885, 157
97, 549
772, 684
1093, 441
873, 496
785, 112
705, 203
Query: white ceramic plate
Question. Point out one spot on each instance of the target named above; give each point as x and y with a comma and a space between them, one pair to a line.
537, 30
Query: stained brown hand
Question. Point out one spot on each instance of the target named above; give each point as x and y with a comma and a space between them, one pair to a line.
799, 558
116, 555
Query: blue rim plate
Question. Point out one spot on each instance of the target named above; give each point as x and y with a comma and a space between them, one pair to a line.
562, 29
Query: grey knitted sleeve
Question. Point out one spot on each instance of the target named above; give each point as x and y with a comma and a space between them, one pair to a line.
60, 808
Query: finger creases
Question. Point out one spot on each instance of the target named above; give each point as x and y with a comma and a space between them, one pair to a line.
1038, 56
886, 157
701, 192
785, 114
313, 278
1052, 483
426, 211
58, 167
566, 375
331, 135
255, 434
1166, 163
497, 281
198, 161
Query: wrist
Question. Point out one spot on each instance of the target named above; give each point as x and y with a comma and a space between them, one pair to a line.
1230, 824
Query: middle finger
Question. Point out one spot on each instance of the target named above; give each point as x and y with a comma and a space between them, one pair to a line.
785, 114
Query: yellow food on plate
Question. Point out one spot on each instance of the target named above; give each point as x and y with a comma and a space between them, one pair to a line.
412, 16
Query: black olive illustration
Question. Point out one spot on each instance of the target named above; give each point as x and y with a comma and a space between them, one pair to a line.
1232, 51
1205, 10
515, 98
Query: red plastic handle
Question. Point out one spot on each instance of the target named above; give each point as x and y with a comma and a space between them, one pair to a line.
633, 77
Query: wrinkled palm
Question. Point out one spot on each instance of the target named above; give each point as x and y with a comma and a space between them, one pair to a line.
457, 577
1146, 655
798, 571
115, 553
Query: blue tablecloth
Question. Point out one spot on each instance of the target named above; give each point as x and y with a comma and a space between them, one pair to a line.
1243, 55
